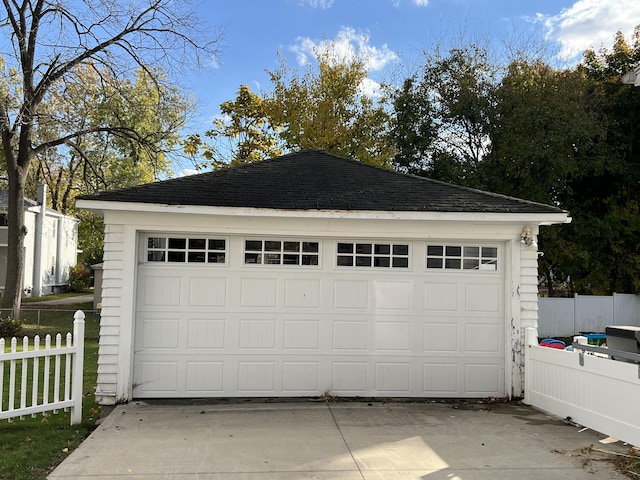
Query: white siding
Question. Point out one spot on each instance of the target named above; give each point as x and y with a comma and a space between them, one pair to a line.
111, 315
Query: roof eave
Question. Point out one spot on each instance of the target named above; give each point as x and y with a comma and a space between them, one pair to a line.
539, 218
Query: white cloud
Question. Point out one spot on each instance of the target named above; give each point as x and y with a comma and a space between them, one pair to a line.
324, 4
370, 88
347, 45
187, 171
590, 24
421, 3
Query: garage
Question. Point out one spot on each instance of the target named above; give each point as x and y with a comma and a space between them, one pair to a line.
311, 275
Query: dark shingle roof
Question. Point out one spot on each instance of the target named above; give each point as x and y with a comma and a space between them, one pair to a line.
315, 180
4, 201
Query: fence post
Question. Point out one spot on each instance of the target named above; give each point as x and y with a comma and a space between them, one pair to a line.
78, 367
530, 338
576, 311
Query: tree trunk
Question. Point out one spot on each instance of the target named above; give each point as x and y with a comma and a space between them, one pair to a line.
12, 298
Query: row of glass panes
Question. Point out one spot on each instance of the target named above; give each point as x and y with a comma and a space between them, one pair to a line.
277, 252
380, 255
190, 250
457, 257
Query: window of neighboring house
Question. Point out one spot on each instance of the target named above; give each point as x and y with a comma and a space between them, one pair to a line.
281, 252
374, 255
462, 257
4, 221
174, 249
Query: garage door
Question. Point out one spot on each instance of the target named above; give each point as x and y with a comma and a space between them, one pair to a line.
239, 317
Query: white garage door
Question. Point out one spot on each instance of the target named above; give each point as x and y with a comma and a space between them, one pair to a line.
238, 317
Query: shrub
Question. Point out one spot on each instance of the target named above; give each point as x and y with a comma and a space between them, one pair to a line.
79, 278
10, 328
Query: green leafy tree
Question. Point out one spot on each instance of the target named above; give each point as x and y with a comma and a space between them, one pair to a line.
571, 138
242, 134
49, 42
543, 132
604, 194
105, 160
321, 108
442, 117
326, 109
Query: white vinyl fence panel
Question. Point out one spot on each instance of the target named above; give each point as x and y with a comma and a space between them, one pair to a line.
566, 317
36, 380
602, 394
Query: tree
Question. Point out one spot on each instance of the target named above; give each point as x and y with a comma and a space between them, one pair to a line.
543, 131
442, 117
49, 42
327, 109
102, 160
572, 138
323, 108
249, 134
605, 197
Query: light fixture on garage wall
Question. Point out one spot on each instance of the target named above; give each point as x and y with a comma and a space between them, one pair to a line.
528, 238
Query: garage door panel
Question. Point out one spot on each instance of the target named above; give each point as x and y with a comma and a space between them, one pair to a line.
393, 378
392, 295
483, 338
300, 377
441, 296
301, 334
349, 378
351, 294
481, 297
483, 379
206, 333
350, 335
440, 379
441, 337
207, 291
257, 334
393, 336
256, 377
162, 291
160, 333
157, 377
259, 292
303, 293
204, 378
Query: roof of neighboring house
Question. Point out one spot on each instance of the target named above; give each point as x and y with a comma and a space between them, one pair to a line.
316, 180
4, 201
31, 206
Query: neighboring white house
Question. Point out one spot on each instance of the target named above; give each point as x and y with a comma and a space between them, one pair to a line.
51, 246
310, 274
632, 77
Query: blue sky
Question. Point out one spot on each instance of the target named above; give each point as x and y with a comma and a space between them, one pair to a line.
392, 33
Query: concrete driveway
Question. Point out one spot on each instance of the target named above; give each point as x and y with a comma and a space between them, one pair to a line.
307, 440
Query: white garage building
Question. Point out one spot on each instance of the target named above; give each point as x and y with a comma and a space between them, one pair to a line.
313, 274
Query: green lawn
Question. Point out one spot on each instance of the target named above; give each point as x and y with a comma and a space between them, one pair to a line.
31, 448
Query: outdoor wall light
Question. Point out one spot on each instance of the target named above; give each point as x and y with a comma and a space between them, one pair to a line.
528, 238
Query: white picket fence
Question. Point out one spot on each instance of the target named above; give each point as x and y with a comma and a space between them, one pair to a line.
61, 374
601, 394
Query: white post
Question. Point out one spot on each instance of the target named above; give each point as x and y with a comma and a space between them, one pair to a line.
530, 339
38, 239
78, 367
